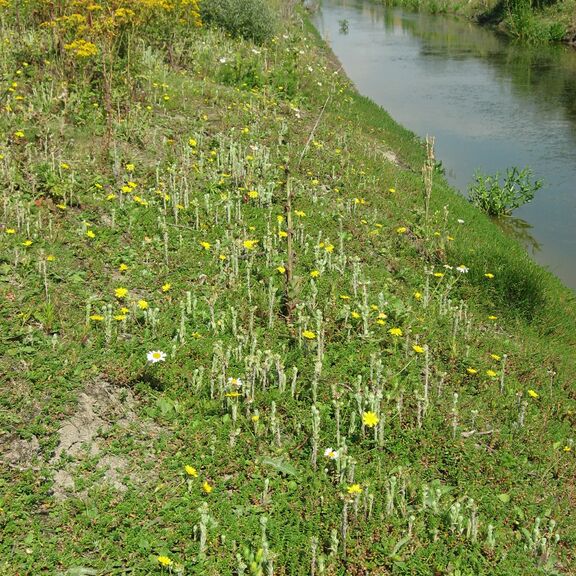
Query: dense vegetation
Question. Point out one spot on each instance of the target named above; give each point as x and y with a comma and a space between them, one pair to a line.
246, 326
531, 21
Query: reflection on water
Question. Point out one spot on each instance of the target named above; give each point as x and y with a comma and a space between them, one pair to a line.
522, 231
490, 104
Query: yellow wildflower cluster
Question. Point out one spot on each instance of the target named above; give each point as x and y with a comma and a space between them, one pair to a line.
88, 27
81, 48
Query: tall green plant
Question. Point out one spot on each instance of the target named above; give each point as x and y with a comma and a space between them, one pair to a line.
501, 199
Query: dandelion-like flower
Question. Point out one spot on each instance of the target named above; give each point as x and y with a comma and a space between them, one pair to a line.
164, 561
207, 487
309, 335
249, 244
418, 349
156, 356
370, 419
354, 489
395, 331
533, 394
191, 471
121, 293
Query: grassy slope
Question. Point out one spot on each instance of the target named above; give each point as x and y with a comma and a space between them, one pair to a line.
221, 318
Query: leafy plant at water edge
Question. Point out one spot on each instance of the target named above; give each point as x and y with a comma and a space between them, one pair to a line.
502, 199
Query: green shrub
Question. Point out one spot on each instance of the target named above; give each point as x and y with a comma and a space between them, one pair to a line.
250, 19
496, 199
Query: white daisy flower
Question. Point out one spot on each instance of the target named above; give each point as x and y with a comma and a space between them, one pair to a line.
156, 356
331, 454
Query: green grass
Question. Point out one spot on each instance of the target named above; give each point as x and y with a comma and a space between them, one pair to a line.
199, 131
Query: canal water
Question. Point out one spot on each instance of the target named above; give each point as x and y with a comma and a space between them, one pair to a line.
491, 104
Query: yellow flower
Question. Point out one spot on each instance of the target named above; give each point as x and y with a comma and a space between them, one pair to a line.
253, 194
121, 292
164, 561
207, 488
329, 248
492, 317
471, 370
489, 275
120, 317
90, 234
143, 305
491, 373
255, 417
96, 317
395, 331
354, 489
205, 245
249, 244
401, 230
392, 190
417, 296
418, 349
111, 197
533, 394
50, 257
309, 335
130, 167
567, 448
10, 231
191, 471
280, 218
344, 297
439, 274
222, 257
27, 243
123, 267
370, 419
283, 234
166, 287
314, 273
300, 213
355, 314
494, 356
281, 269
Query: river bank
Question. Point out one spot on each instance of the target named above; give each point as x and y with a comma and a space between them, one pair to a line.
491, 104
535, 23
242, 335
